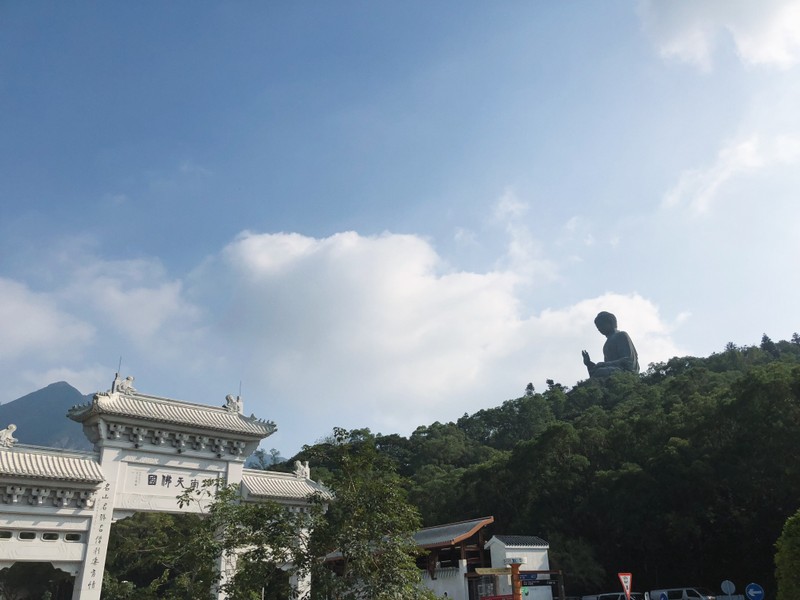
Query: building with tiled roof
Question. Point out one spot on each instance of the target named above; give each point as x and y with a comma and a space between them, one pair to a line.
451, 534
530, 552
458, 555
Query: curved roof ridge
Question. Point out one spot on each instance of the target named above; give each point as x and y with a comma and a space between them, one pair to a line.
38, 463
450, 533
518, 541
257, 472
265, 484
489, 518
90, 454
132, 404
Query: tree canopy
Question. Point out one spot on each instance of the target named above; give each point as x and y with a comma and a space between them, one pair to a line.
787, 559
685, 474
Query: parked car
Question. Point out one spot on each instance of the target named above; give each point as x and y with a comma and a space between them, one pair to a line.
615, 596
685, 593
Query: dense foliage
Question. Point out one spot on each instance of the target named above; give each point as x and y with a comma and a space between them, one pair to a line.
23, 581
157, 556
787, 559
149, 558
683, 475
367, 533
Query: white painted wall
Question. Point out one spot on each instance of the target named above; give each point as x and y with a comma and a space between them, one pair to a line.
535, 560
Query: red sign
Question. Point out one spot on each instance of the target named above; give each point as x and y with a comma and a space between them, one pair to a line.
626, 579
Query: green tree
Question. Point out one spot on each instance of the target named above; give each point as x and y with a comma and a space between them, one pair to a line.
767, 345
263, 460
787, 559
265, 541
148, 555
576, 558
25, 580
367, 533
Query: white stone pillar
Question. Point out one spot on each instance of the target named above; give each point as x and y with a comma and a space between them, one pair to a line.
300, 585
226, 565
462, 574
89, 580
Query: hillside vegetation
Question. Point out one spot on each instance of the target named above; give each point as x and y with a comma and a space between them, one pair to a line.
684, 474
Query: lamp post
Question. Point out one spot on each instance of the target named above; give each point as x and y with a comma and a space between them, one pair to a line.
516, 586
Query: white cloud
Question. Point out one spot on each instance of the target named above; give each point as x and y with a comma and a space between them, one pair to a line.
577, 229
524, 254
94, 312
132, 297
764, 33
769, 37
362, 306
362, 329
34, 325
509, 206
375, 331
464, 237
699, 189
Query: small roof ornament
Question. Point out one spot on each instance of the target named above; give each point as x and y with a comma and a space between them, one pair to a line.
7, 438
124, 386
302, 470
234, 404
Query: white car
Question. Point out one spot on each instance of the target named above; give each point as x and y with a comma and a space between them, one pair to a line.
614, 596
685, 593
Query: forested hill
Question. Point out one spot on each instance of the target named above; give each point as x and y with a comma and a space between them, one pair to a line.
682, 475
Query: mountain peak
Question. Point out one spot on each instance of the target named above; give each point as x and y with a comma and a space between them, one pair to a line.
41, 417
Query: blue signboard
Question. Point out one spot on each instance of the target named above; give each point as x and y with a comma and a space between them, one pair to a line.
533, 579
539, 582
753, 591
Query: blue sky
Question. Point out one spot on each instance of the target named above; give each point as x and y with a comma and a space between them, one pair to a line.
385, 214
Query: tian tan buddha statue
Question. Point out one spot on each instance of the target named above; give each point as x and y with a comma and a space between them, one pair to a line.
619, 354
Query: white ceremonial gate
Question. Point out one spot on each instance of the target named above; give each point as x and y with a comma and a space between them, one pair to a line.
58, 506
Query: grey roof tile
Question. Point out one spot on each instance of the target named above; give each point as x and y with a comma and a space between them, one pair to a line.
522, 541
451, 533
285, 486
45, 463
153, 408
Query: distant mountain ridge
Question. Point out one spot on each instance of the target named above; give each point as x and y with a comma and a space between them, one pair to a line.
41, 417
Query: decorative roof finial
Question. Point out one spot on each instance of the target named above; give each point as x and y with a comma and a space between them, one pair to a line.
7, 438
302, 470
124, 386
234, 403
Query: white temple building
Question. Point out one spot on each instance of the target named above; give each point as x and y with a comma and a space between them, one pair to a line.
58, 506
